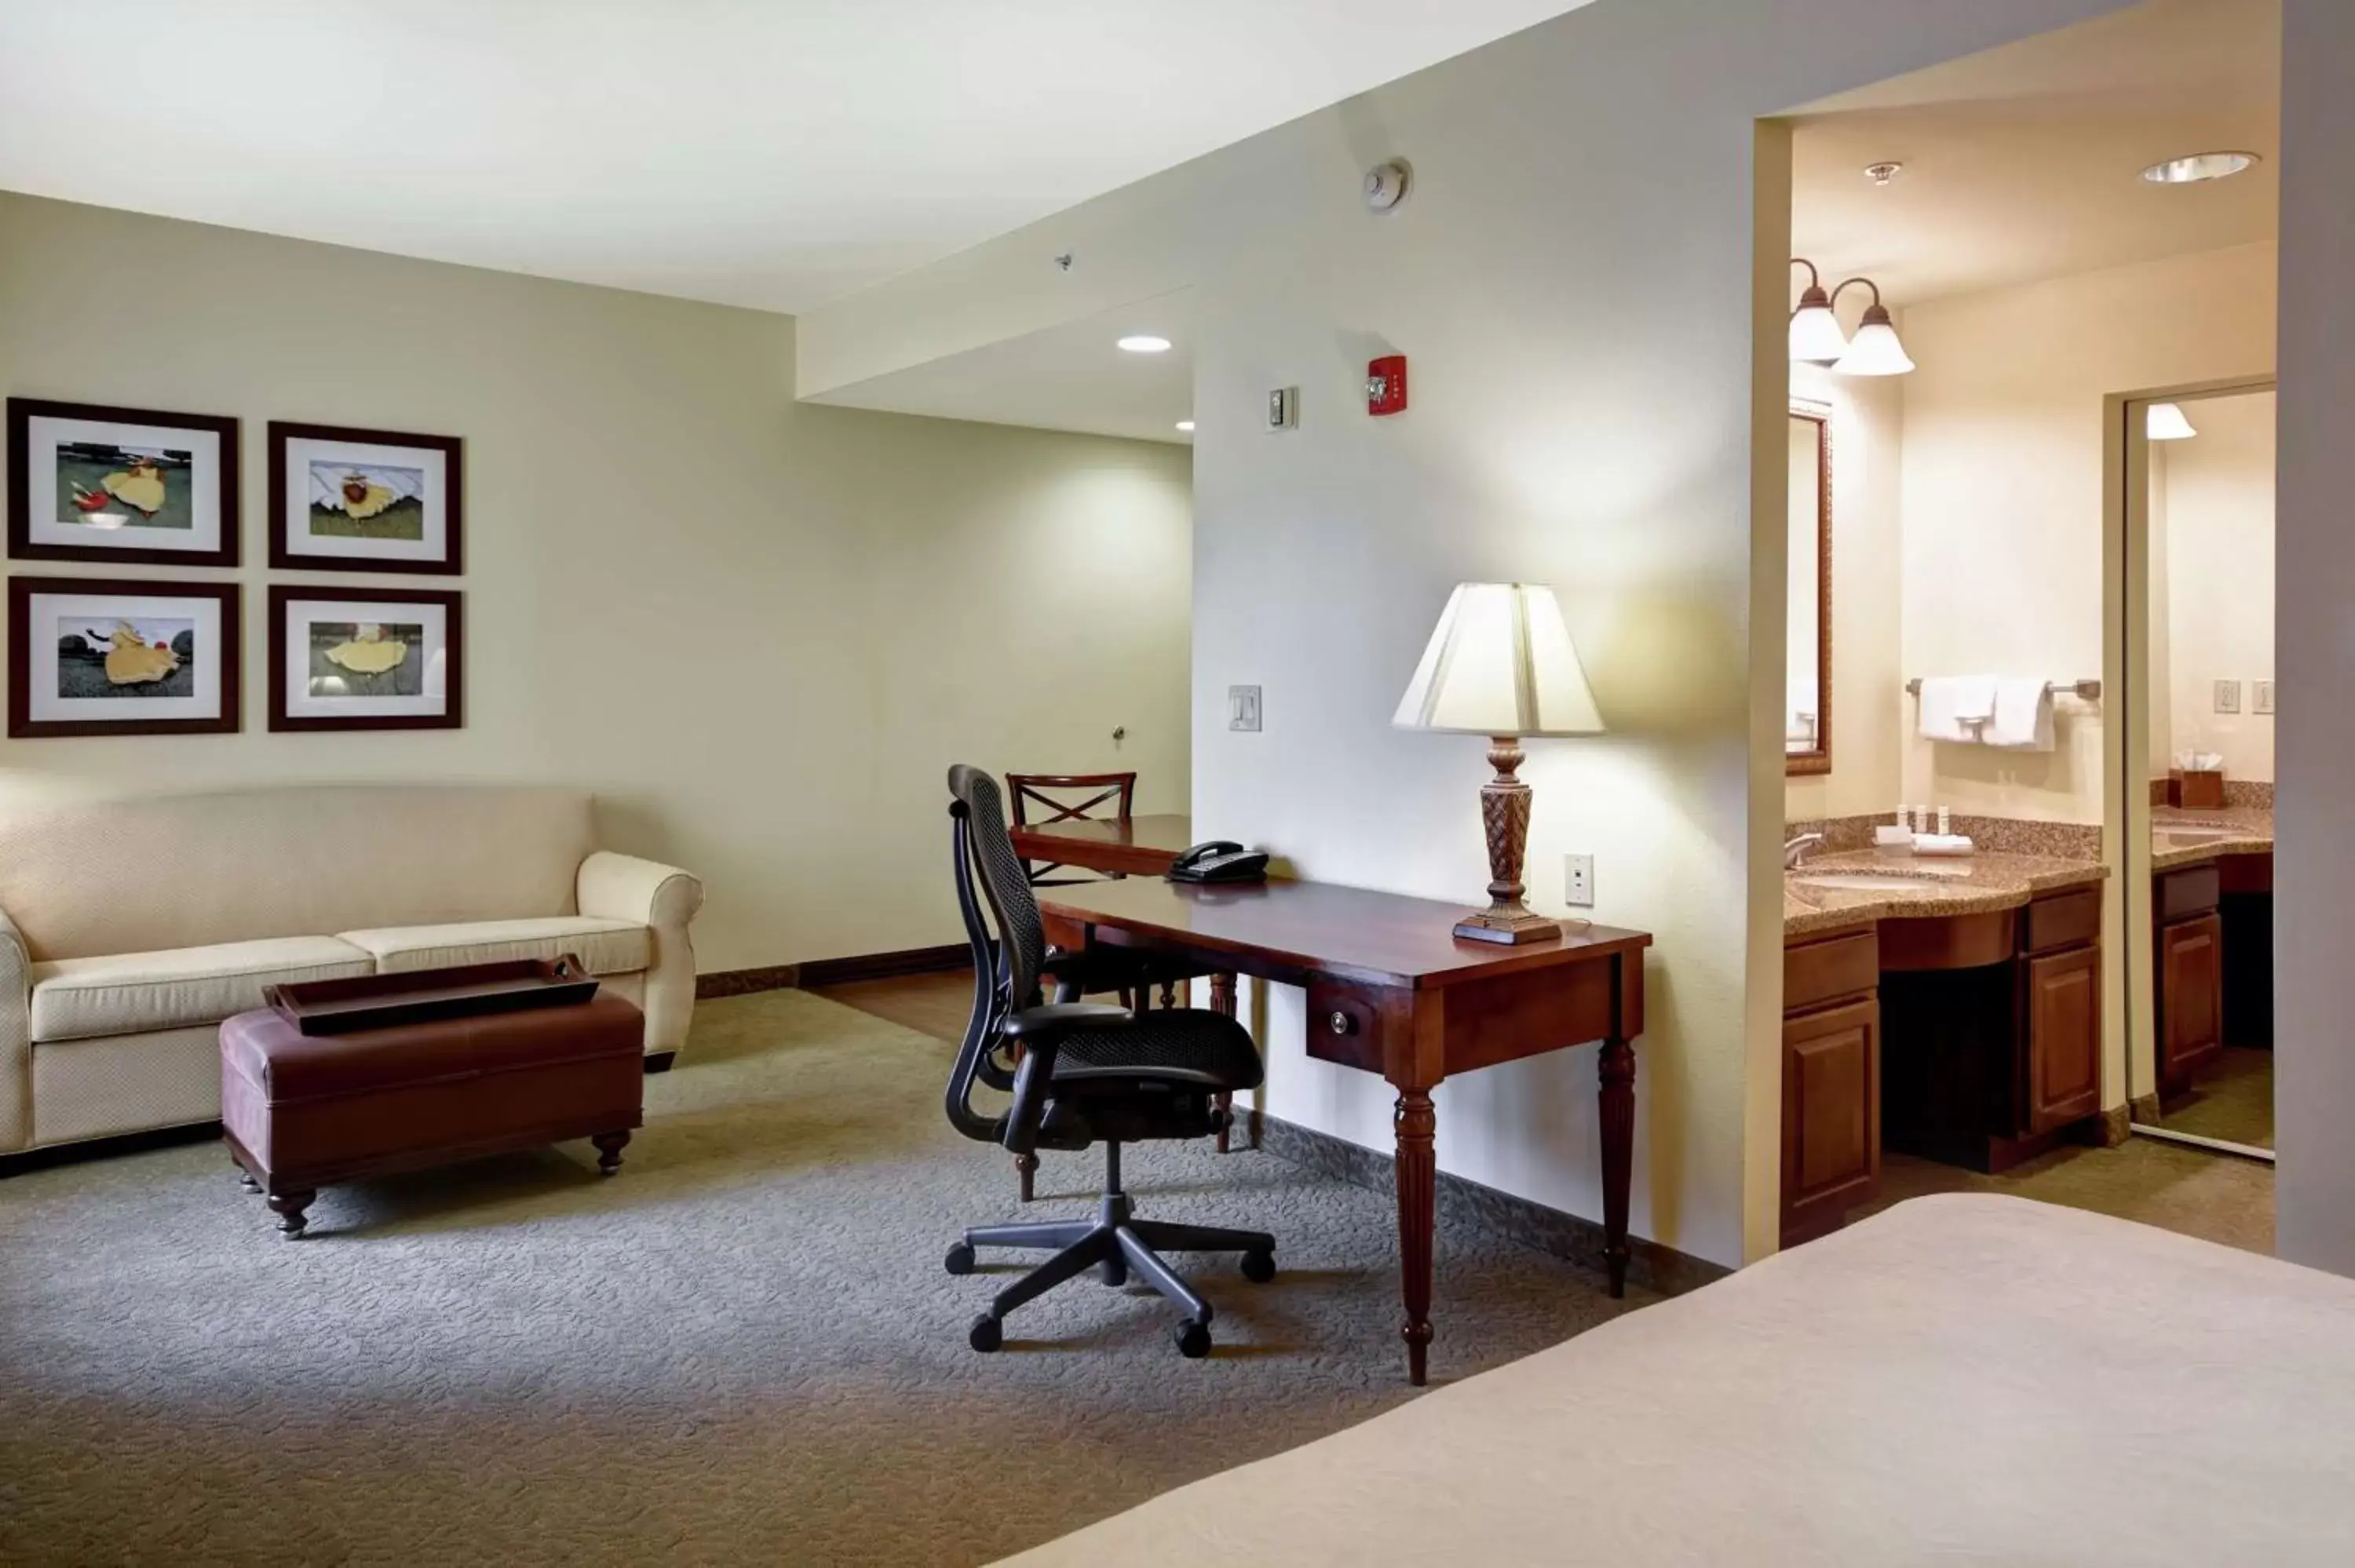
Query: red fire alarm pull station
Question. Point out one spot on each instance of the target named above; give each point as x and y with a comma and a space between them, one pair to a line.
1386, 385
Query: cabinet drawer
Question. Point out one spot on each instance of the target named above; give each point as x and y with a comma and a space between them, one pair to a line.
1345, 1025
1816, 972
2064, 920
2194, 890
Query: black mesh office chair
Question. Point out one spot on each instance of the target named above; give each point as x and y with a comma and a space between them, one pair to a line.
1080, 1073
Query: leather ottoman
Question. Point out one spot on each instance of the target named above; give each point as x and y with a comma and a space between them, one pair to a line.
300, 1111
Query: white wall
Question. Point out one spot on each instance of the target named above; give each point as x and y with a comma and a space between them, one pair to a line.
759, 629
1869, 702
2314, 1093
2218, 518
2003, 489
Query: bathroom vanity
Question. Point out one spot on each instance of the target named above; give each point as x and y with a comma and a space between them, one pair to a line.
2211, 931
1952, 1011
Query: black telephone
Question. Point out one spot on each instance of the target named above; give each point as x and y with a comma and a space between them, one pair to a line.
1220, 860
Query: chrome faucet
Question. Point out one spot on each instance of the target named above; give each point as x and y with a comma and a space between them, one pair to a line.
1796, 850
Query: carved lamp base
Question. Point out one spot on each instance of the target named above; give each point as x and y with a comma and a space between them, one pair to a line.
1505, 812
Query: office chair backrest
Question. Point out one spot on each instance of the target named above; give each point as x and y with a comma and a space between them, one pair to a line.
1006, 963
1022, 936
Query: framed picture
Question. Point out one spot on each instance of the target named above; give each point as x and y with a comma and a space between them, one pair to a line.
103, 656
88, 483
379, 659
363, 501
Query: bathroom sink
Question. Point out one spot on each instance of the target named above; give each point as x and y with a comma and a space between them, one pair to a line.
2192, 838
1865, 881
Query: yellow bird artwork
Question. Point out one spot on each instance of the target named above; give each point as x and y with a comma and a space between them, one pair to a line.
370, 652
141, 486
130, 662
363, 500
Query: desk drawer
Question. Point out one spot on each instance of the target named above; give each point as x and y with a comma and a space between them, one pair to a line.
1345, 1025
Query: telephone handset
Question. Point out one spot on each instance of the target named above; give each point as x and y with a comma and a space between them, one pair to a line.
1220, 860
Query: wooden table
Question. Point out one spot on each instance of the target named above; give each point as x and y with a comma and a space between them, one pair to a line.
1139, 846
1390, 991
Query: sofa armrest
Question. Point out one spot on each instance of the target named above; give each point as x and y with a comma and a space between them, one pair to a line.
16, 1039
664, 899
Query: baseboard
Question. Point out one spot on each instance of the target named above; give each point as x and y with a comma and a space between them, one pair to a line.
884, 966
1461, 1201
744, 982
2117, 1126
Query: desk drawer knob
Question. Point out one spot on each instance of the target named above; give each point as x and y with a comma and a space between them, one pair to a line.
1341, 1022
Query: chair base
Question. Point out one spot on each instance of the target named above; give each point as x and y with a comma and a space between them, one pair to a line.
1115, 1244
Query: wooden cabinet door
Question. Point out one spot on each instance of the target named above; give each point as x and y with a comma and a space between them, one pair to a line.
1832, 1116
2064, 1038
2191, 997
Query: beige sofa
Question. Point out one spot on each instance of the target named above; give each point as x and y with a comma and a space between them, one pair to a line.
129, 929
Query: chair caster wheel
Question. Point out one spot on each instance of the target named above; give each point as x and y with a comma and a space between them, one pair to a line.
960, 1258
987, 1334
1259, 1267
1193, 1339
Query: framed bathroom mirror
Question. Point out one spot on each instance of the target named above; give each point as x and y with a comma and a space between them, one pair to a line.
1808, 666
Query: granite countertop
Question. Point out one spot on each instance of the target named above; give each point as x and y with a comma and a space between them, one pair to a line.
2181, 838
1922, 886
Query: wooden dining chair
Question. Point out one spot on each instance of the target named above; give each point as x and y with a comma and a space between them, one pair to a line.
1043, 798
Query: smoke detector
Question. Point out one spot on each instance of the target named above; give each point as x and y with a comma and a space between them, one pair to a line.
1882, 174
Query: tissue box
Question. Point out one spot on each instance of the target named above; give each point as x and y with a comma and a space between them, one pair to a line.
2196, 789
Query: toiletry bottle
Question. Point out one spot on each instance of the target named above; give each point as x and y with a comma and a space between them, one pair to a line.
1905, 818
1945, 823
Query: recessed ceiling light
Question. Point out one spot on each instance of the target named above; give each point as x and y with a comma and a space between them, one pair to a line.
1187, 426
1146, 343
2198, 166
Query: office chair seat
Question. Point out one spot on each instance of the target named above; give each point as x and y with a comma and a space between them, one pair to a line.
1201, 1050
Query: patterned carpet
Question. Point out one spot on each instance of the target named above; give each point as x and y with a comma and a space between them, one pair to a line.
742, 1349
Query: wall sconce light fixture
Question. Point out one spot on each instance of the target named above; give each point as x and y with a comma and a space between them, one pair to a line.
1816, 337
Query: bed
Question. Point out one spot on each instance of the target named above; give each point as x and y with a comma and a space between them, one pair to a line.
1962, 1380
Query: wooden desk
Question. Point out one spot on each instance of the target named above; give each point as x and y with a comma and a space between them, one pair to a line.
1139, 846
1390, 991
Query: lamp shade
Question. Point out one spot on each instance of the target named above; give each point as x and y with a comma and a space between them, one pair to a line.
1816, 335
2164, 422
1499, 664
1875, 350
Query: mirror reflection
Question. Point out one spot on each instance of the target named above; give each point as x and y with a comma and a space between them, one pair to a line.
1806, 707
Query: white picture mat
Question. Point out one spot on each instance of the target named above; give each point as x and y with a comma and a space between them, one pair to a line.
431, 702
45, 433
46, 609
303, 451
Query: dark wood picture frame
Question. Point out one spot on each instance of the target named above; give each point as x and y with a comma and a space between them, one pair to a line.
285, 553
22, 725
283, 596
21, 413
1818, 760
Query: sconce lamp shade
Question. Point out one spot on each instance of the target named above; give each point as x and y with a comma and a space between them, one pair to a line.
2164, 422
1816, 335
1500, 663
1875, 350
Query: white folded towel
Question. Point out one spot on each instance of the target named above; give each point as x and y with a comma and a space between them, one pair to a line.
1954, 706
2023, 714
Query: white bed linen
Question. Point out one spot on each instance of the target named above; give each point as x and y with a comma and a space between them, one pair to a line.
1963, 1380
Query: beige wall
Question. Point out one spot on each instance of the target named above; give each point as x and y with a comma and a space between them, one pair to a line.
759, 629
2003, 489
1868, 702
2214, 506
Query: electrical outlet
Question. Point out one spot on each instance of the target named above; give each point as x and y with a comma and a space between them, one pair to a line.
2261, 696
2228, 697
1242, 707
1578, 881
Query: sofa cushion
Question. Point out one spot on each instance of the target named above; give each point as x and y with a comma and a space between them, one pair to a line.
604, 946
123, 993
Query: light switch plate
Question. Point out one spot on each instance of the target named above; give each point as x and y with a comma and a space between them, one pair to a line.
1578, 881
1283, 408
1242, 707
2261, 696
2228, 697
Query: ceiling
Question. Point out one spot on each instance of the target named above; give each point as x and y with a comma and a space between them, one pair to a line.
2025, 162
773, 154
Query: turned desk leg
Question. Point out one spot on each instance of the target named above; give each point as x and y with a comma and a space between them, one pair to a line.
1025, 1167
1222, 1003
1417, 1198
1618, 1072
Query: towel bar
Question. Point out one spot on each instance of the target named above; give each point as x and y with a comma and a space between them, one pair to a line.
2090, 690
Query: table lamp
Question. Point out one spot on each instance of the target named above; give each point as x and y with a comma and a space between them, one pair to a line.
1500, 664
